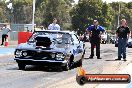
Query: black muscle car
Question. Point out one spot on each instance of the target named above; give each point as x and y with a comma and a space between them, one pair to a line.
57, 48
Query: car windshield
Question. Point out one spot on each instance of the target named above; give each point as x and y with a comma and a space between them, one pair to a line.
56, 37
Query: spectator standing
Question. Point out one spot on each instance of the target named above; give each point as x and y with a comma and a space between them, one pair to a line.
122, 35
5, 31
95, 31
54, 25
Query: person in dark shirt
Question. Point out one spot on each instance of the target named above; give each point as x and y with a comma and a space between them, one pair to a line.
122, 34
95, 32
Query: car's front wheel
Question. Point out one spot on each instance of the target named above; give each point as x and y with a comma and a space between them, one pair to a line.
67, 66
79, 63
21, 66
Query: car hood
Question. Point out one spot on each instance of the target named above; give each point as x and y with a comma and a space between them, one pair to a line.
52, 48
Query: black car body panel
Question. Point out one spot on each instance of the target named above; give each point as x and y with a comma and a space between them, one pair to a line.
50, 47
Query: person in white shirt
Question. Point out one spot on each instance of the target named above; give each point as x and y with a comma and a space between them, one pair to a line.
54, 25
5, 31
42, 28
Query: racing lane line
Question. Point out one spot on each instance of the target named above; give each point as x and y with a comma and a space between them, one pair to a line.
73, 80
24, 77
3, 56
110, 62
114, 58
90, 70
23, 73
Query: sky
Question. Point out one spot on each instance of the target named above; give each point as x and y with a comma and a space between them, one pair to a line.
109, 1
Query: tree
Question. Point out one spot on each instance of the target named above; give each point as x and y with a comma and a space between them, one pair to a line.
107, 15
3, 12
22, 11
125, 12
86, 11
129, 5
46, 10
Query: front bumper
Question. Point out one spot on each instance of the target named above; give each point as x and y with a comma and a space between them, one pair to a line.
41, 62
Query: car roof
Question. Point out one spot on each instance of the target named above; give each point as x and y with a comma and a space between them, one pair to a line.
69, 32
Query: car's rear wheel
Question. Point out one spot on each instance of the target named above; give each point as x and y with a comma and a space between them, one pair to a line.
70, 64
21, 66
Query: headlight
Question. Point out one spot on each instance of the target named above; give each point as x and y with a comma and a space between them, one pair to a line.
24, 54
18, 53
59, 56
52, 55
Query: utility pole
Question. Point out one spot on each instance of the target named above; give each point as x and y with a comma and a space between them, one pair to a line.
119, 16
33, 15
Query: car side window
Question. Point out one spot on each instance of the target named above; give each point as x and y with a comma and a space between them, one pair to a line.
75, 39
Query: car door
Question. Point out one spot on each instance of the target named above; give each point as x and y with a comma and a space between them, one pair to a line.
77, 49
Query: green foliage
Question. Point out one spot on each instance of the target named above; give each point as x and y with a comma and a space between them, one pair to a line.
75, 17
53, 9
129, 5
86, 11
125, 12
107, 14
3, 12
22, 11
